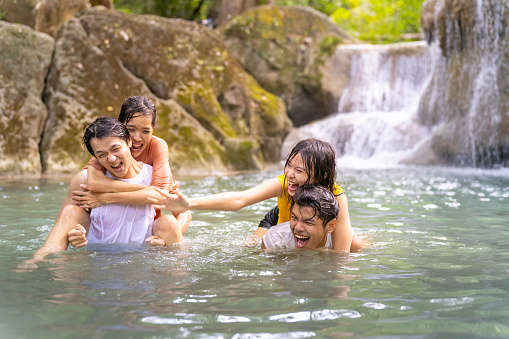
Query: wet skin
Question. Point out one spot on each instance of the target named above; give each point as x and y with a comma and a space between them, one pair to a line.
141, 130
296, 174
114, 154
308, 230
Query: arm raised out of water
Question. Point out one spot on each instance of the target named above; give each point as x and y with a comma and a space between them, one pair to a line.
225, 201
109, 191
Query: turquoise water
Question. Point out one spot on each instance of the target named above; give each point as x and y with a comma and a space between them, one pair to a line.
438, 267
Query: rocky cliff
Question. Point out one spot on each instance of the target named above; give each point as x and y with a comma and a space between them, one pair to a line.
467, 100
214, 116
285, 49
25, 57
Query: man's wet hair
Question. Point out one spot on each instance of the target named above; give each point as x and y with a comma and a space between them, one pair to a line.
104, 127
320, 199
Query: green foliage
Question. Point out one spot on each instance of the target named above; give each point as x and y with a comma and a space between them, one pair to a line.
374, 21
379, 21
184, 9
325, 6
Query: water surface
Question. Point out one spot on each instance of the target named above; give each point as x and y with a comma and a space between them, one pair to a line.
438, 267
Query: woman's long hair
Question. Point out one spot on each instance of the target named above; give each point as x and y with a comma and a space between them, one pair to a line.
319, 161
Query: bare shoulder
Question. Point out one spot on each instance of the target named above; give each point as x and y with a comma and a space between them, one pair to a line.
159, 144
342, 199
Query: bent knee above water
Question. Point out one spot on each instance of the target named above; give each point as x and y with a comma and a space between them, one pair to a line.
166, 221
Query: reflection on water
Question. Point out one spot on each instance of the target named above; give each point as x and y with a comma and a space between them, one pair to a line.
438, 265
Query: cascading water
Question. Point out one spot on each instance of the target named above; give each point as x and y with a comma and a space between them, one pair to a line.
467, 100
374, 125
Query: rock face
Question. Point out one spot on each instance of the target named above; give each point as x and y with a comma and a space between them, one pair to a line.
45, 16
285, 49
467, 100
22, 112
222, 11
212, 114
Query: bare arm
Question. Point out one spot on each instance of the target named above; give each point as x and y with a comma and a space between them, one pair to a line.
98, 182
226, 201
342, 235
234, 201
88, 199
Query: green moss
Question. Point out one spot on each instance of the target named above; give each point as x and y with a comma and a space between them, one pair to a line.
243, 154
329, 44
203, 104
269, 104
188, 146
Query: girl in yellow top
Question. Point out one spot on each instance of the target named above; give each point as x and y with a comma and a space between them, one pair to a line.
311, 162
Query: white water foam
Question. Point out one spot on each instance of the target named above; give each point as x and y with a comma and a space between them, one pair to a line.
375, 127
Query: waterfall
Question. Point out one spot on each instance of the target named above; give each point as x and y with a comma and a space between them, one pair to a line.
467, 102
375, 123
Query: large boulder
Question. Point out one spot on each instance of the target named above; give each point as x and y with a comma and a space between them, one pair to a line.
212, 114
285, 49
25, 58
467, 100
45, 16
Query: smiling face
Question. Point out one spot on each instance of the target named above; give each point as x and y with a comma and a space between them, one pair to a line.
114, 154
140, 128
296, 174
308, 229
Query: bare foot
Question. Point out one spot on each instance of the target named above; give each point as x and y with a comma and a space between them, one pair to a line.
155, 240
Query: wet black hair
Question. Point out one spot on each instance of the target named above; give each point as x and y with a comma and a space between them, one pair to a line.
318, 198
104, 127
319, 161
136, 106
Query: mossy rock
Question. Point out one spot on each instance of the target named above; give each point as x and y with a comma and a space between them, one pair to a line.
102, 57
22, 112
285, 48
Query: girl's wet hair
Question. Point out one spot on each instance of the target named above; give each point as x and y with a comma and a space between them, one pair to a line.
319, 161
136, 106
104, 127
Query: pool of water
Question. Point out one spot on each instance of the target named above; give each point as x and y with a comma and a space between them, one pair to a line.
438, 267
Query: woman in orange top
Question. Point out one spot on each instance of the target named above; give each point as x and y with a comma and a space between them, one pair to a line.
138, 114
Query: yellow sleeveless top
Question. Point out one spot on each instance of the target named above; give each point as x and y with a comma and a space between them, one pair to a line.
284, 203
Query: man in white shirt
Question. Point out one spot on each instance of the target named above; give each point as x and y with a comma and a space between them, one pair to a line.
313, 219
108, 140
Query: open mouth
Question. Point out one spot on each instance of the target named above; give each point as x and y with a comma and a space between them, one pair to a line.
301, 241
292, 187
118, 167
136, 148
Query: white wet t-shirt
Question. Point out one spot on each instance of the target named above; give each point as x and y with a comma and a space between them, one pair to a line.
121, 223
280, 237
